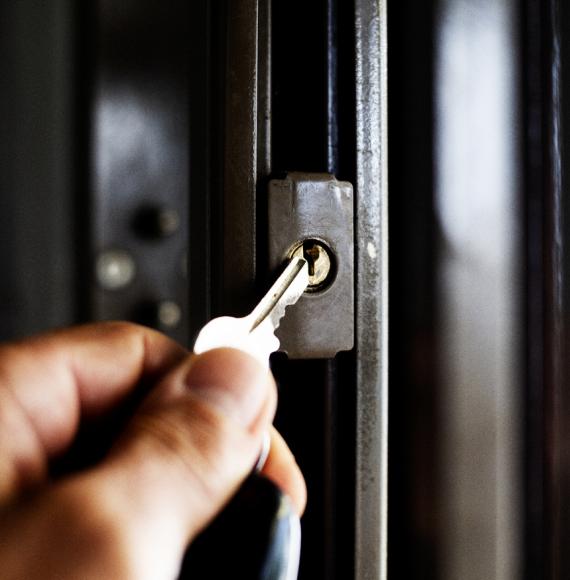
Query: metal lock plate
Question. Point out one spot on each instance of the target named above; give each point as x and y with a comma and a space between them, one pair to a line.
312, 214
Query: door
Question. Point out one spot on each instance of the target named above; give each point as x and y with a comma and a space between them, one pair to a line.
140, 144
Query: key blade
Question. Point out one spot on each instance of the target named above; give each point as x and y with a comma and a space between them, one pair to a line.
255, 333
286, 291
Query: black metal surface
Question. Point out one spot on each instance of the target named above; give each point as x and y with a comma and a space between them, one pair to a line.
333, 120
299, 139
537, 104
300, 87
37, 161
317, 399
206, 62
235, 140
413, 432
562, 92
139, 154
202, 71
547, 76
240, 170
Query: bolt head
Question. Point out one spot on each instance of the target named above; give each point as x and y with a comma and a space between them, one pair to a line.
115, 269
169, 314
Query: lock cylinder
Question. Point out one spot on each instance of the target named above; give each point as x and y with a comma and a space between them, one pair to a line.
321, 261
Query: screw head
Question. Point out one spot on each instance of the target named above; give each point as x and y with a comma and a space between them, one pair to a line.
115, 269
156, 222
169, 314
168, 221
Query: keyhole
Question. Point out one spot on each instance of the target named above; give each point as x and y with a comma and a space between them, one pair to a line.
320, 262
311, 253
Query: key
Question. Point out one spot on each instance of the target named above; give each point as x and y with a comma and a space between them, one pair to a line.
257, 536
255, 333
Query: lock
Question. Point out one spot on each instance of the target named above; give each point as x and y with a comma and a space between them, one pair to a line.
320, 261
311, 216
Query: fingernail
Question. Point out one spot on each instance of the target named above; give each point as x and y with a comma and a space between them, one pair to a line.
232, 381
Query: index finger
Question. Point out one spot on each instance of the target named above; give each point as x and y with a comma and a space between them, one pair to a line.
48, 382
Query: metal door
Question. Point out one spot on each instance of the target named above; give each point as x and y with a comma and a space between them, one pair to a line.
138, 142
157, 126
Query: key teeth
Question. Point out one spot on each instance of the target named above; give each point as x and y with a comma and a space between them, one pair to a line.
255, 333
279, 312
264, 341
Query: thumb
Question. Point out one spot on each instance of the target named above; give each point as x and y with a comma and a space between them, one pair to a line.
186, 452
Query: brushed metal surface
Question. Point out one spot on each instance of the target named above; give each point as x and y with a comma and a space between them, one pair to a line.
315, 206
371, 207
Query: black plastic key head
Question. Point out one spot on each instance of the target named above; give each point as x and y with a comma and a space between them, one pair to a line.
256, 537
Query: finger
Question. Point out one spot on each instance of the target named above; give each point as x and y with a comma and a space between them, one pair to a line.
283, 470
48, 382
188, 449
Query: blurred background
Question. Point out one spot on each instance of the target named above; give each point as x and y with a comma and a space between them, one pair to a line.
137, 139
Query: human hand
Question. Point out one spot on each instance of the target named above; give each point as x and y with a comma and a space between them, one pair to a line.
179, 459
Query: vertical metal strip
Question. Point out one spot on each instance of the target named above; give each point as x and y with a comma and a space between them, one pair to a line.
371, 291
555, 353
535, 563
558, 414
264, 93
202, 145
240, 164
332, 88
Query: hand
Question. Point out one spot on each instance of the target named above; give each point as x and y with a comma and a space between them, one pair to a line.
178, 460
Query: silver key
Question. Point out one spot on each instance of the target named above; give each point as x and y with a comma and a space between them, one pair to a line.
255, 333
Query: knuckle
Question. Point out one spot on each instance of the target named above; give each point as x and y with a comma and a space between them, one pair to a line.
203, 448
122, 327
